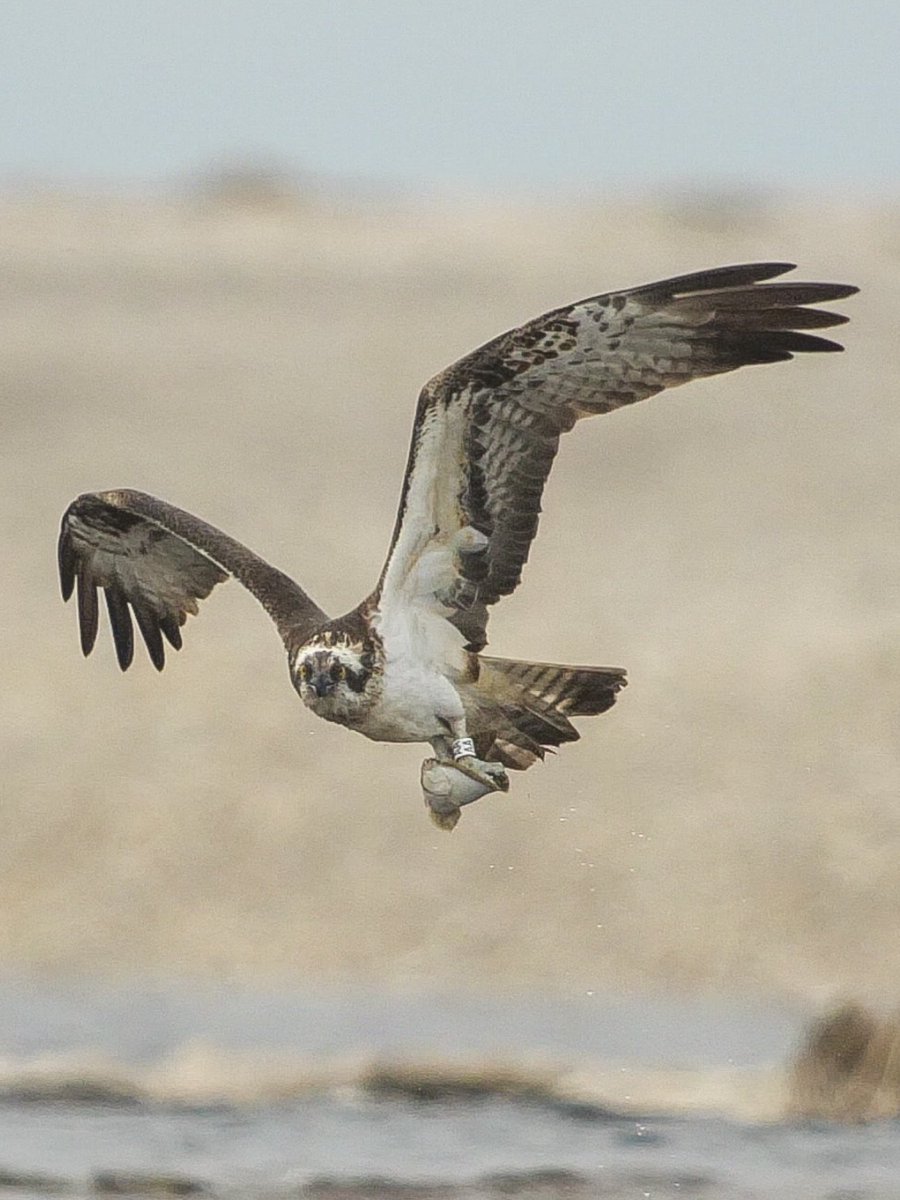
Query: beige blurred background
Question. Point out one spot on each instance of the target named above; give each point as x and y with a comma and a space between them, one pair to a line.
253, 353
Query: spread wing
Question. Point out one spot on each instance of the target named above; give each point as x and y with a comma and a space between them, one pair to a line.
487, 429
156, 561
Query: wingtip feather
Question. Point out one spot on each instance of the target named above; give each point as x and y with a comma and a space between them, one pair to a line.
87, 613
172, 631
149, 626
65, 557
120, 623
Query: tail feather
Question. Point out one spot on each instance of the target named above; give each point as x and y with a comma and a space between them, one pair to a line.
533, 703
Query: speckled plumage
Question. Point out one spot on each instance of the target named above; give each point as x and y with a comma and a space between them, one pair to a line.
405, 665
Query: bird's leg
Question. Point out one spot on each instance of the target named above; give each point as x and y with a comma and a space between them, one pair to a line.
457, 777
442, 748
462, 748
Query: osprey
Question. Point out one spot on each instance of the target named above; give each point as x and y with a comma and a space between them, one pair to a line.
407, 664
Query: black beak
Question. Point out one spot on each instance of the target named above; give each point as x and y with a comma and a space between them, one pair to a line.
322, 685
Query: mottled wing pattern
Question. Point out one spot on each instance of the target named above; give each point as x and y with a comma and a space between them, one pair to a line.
487, 429
157, 561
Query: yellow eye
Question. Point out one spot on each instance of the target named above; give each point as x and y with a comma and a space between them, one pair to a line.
304, 671
342, 672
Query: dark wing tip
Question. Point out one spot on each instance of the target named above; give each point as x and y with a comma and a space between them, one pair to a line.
797, 291
154, 562
149, 625
803, 343
741, 277
766, 270
759, 322
840, 291
120, 622
87, 612
736, 348
66, 558
735, 276
172, 630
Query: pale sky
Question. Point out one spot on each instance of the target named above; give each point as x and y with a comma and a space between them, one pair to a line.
457, 94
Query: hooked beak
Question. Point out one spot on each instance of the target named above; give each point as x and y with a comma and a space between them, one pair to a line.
322, 685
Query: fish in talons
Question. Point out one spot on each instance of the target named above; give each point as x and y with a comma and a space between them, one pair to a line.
449, 786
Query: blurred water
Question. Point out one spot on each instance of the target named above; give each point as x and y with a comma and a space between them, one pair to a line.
254, 1093
456, 1147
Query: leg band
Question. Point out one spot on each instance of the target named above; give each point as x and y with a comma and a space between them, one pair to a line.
463, 747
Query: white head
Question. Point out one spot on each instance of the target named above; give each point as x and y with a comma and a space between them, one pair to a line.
332, 674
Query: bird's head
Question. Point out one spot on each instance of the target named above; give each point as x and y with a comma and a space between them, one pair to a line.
332, 674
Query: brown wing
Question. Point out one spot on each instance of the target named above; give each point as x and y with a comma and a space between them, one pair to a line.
487, 429
157, 561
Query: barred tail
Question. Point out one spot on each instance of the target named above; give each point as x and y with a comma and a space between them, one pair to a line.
532, 704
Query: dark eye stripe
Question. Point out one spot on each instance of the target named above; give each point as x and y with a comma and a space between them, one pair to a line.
356, 680
327, 662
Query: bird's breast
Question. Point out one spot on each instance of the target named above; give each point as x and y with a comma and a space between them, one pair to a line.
422, 656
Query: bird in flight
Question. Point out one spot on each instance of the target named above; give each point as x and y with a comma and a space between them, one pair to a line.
408, 663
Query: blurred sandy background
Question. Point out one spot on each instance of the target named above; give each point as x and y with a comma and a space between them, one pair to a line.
254, 355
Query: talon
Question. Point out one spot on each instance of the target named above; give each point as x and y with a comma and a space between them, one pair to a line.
492, 774
446, 786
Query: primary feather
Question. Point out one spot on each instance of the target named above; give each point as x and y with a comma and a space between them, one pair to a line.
487, 429
157, 561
